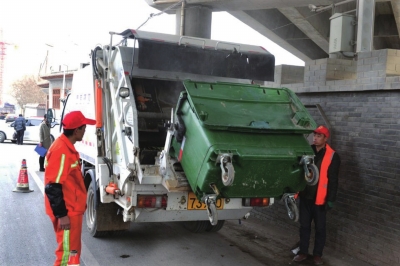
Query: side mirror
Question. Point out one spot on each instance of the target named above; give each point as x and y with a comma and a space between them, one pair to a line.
50, 115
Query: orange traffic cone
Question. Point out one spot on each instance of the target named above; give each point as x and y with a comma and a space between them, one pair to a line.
23, 183
73, 259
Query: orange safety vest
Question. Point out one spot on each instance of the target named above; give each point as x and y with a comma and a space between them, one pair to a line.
323, 176
63, 166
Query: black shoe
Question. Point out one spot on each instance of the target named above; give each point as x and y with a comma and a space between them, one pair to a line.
41, 170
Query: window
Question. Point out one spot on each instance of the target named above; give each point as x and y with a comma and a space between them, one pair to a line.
35, 122
56, 98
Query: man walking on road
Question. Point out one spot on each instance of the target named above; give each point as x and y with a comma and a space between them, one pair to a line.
19, 126
316, 200
65, 190
45, 140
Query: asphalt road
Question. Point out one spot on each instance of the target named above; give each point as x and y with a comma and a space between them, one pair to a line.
27, 238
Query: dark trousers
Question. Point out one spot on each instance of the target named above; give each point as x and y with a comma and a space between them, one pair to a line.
41, 162
309, 212
20, 137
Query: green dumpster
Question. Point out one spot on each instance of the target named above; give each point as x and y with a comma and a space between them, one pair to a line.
242, 141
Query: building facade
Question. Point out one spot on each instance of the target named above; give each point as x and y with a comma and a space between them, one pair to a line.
56, 86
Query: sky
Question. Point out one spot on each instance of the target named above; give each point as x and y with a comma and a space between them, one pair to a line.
68, 30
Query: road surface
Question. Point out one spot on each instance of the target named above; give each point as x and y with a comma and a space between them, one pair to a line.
27, 238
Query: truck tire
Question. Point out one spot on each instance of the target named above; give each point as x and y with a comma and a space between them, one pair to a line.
215, 228
103, 220
196, 226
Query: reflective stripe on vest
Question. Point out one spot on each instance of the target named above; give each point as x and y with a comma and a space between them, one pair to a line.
61, 169
75, 164
323, 176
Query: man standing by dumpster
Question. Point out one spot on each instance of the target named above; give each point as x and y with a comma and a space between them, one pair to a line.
45, 140
19, 126
65, 190
316, 200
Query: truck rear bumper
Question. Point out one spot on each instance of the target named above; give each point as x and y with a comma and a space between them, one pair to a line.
160, 215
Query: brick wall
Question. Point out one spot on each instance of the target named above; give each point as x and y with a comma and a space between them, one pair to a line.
393, 63
366, 133
363, 108
291, 74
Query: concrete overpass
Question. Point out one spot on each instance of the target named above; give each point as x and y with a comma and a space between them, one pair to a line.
289, 23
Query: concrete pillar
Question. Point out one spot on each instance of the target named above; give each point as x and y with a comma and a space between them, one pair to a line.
365, 25
197, 21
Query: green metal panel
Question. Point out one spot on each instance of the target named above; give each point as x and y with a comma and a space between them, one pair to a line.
263, 128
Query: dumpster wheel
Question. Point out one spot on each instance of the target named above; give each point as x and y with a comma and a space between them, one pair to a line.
292, 210
212, 212
313, 175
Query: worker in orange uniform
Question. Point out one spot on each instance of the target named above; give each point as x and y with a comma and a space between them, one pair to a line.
65, 190
316, 200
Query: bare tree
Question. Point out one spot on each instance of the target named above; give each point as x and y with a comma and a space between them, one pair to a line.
25, 90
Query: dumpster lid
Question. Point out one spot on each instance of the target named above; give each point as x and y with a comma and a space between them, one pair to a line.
242, 107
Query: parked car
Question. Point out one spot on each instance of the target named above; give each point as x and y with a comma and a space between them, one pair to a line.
3, 116
11, 118
31, 132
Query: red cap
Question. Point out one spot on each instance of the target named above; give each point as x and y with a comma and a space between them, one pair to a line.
76, 119
322, 130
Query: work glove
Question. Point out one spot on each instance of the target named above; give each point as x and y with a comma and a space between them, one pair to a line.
329, 205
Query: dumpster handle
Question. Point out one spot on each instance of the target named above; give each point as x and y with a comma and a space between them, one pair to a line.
192, 38
231, 43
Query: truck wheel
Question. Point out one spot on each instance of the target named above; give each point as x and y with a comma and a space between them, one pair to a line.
196, 226
103, 220
313, 177
2, 137
215, 228
91, 213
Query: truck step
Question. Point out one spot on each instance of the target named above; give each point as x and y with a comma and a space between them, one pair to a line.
180, 183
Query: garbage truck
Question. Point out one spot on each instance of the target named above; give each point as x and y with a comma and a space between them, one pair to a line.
184, 133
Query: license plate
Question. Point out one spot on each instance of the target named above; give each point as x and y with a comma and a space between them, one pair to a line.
194, 204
